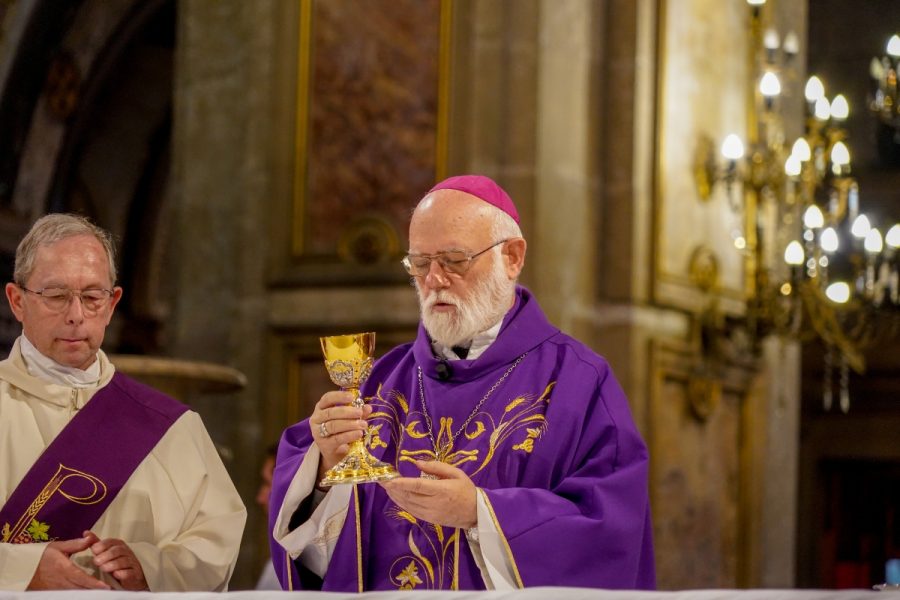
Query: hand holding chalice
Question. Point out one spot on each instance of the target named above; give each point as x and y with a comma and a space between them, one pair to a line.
348, 359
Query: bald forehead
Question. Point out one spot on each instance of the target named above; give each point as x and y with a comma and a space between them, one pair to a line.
453, 213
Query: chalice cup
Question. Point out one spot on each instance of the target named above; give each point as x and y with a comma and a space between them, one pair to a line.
348, 359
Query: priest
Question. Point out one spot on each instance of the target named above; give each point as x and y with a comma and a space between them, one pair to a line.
104, 482
519, 459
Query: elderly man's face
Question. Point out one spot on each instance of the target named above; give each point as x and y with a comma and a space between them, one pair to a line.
456, 307
71, 337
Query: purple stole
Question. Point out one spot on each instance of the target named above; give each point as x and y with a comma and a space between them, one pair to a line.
79, 474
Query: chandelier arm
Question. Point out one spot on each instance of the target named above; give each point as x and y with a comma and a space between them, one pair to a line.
824, 319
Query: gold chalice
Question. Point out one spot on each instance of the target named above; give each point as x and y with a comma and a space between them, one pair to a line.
348, 359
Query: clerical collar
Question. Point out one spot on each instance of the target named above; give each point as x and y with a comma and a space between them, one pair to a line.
51, 371
476, 346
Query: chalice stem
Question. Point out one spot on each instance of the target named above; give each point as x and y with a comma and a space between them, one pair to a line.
348, 359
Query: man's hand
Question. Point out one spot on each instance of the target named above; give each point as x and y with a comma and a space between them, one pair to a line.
116, 558
56, 571
449, 500
334, 424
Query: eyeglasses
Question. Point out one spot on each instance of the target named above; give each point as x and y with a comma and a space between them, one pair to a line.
455, 261
57, 299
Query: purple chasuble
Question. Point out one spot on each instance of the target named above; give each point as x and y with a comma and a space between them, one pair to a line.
554, 449
79, 474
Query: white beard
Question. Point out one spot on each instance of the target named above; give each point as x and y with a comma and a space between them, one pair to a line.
489, 300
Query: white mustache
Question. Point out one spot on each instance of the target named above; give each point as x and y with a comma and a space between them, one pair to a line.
441, 297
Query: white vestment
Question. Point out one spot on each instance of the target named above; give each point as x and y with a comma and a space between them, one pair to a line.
179, 511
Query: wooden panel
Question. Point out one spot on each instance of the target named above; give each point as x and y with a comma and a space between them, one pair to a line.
699, 475
297, 376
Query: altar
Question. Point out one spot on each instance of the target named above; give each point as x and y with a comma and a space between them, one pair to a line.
537, 593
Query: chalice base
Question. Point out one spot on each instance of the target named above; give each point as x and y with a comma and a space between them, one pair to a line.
358, 467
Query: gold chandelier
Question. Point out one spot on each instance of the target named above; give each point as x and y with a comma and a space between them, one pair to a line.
815, 265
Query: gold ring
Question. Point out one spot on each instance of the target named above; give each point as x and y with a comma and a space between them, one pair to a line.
323, 431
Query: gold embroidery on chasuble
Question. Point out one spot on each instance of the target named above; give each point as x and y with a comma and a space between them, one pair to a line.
27, 529
432, 563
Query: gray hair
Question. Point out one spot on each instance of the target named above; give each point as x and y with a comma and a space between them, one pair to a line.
504, 226
52, 228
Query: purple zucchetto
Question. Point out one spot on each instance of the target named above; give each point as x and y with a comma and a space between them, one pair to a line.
483, 188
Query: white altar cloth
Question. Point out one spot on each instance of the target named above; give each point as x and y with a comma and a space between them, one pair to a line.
538, 593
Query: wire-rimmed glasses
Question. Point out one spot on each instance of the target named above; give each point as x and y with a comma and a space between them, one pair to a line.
453, 261
57, 299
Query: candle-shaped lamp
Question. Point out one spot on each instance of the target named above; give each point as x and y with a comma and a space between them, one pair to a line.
840, 110
813, 91
813, 219
873, 245
840, 159
733, 151
793, 256
838, 292
769, 87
